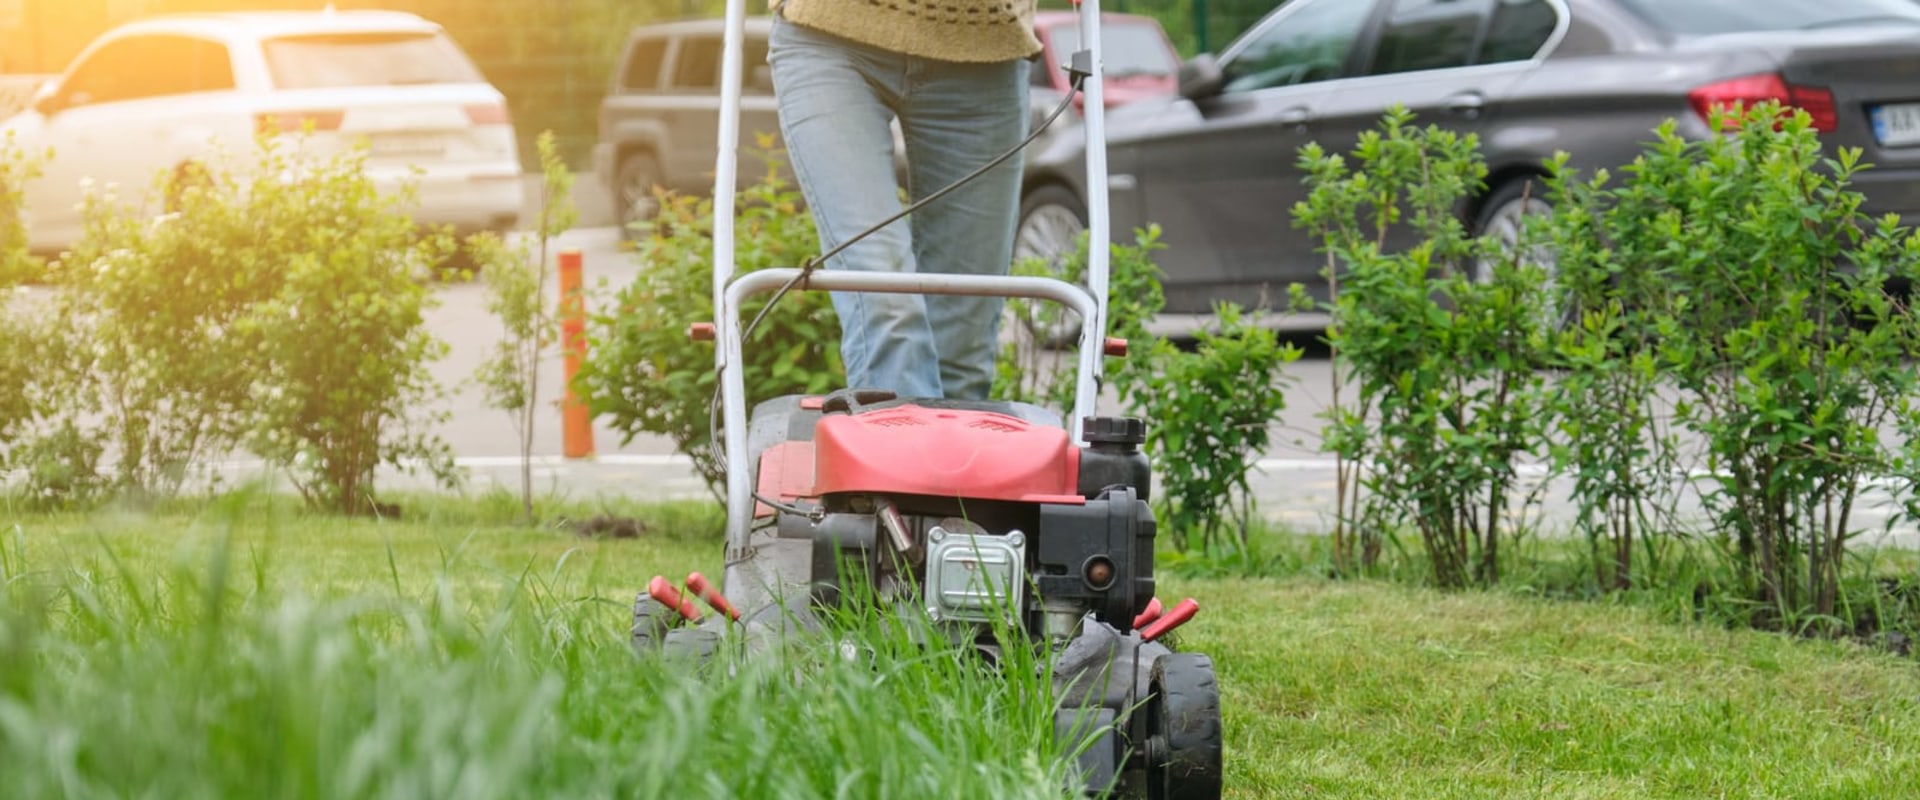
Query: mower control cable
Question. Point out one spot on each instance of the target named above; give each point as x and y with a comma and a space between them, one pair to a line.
1077, 76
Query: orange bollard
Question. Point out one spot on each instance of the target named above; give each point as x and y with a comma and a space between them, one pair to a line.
576, 427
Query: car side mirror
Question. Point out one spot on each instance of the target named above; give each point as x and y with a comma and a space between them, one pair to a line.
1200, 77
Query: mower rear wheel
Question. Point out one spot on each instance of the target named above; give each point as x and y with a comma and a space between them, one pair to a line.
693, 646
651, 621
1184, 748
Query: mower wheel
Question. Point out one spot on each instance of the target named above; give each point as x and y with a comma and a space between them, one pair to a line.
651, 622
1183, 730
697, 646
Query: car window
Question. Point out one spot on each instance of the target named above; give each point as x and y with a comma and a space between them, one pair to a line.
179, 65
1309, 44
1428, 34
1518, 30
1127, 48
698, 65
401, 58
643, 64
109, 74
139, 67
1706, 17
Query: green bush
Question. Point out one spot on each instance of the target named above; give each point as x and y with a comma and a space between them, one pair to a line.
1775, 318
17, 265
1609, 436
1208, 413
1444, 359
1031, 370
645, 375
57, 463
516, 279
278, 307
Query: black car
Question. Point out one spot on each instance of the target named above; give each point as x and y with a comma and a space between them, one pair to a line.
1216, 166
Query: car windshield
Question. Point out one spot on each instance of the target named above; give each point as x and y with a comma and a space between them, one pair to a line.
367, 59
1130, 49
1708, 17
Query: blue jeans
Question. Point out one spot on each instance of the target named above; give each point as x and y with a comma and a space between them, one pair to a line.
836, 100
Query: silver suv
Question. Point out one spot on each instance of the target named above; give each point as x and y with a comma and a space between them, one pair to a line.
660, 119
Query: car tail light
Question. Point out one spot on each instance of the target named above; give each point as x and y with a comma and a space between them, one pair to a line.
1751, 90
489, 115
297, 121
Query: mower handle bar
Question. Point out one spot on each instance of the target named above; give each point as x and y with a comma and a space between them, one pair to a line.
733, 378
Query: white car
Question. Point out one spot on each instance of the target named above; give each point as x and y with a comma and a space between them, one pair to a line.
163, 95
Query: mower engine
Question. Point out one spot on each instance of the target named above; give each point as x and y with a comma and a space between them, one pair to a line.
981, 513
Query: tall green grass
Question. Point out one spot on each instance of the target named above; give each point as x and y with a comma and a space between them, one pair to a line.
241, 664
247, 649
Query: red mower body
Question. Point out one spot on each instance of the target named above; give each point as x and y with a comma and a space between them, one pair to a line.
914, 450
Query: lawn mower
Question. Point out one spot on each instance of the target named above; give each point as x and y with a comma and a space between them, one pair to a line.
988, 520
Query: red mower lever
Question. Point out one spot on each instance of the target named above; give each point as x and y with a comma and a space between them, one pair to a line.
1174, 619
1152, 613
698, 584
670, 597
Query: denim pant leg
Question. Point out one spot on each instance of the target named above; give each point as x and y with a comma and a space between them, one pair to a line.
835, 101
956, 118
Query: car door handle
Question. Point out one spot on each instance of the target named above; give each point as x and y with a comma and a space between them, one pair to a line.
1467, 104
1296, 118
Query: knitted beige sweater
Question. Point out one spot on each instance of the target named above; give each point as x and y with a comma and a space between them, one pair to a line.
945, 30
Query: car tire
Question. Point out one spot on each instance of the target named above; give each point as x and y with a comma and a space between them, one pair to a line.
634, 181
1050, 223
652, 621
1502, 214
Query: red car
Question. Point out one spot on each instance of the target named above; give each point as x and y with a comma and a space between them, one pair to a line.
1140, 60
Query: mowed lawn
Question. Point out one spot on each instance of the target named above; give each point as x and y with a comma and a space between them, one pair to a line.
245, 649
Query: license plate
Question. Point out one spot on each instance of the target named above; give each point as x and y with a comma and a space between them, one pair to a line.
1897, 125
407, 145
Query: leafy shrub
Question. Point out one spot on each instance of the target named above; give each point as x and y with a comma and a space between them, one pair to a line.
1444, 359
642, 371
17, 265
1208, 415
1608, 436
515, 279
278, 307
57, 462
1030, 370
1776, 319
1208, 412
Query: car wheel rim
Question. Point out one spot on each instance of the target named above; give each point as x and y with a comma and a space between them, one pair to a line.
636, 195
1049, 234
1505, 227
